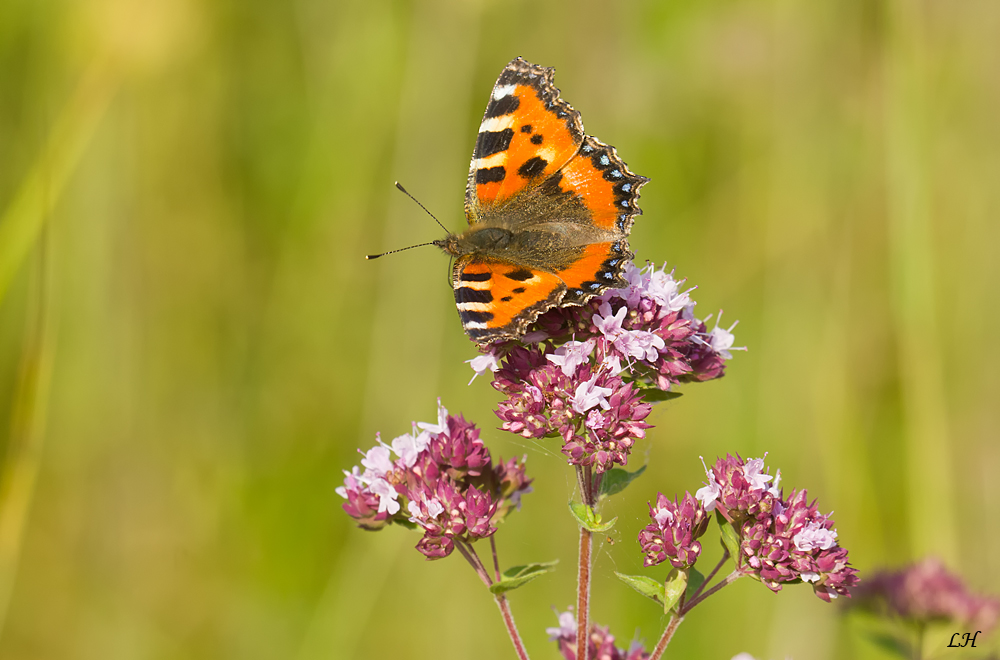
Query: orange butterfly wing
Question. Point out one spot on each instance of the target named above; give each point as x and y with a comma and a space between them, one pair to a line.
528, 132
494, 297
610, 191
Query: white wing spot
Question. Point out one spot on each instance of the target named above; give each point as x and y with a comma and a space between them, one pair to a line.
478, 286
497, 123
502, 90
474, 307
499, 158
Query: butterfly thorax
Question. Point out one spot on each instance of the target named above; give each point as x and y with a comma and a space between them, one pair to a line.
547, 245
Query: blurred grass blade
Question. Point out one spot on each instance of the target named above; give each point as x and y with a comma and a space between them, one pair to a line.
911, 252
24, 448
32, 204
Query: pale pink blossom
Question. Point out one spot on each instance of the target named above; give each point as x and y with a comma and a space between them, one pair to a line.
815, 536
588, 395
483, 363
571, 355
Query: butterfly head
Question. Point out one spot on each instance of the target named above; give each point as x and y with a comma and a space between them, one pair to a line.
450, 245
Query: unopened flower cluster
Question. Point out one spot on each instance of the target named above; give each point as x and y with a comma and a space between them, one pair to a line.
439, 478
926, 592
584, 373
673, 534
600, 644
782, 540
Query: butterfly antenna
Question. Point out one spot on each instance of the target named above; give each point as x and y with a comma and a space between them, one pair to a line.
403, 190
410, 247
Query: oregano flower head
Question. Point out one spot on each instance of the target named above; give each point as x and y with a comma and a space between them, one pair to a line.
441, 479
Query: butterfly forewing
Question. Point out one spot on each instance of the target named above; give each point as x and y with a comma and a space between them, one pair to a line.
526, 135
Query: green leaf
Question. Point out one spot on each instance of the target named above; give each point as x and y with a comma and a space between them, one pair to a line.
695, 580
674, 588
518, 576
729, 538
654, 395
589, 519
583, 513
616, 480
600, 527
646, 586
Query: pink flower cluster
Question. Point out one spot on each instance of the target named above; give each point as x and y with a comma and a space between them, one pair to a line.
600, 645
584, 372
673, 534
782, 539
439, 478
925, 592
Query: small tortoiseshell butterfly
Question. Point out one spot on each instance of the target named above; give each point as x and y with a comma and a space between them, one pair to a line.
549, 210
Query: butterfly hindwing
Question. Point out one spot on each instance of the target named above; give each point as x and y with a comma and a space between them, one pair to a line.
603, 181
597, 269
499, 299
609, 191
526, 135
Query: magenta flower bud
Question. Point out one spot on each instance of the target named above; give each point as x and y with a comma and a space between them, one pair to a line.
674, 531
740, 487
460, 449
362, 504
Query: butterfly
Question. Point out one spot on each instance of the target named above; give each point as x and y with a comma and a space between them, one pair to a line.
549, 210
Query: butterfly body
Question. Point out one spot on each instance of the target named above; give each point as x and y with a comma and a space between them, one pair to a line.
549, 210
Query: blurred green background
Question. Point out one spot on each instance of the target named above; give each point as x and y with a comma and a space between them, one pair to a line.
192, 347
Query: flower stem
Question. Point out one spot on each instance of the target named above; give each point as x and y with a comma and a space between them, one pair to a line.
470, 555
496, 560
584, 477
508, 621
725, 556
677, 617
661, 646
583, 594
729, 579
474, 561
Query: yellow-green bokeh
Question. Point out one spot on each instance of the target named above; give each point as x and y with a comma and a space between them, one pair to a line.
192, 347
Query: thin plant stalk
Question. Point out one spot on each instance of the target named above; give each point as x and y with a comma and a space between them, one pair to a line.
508, 617
661, 646
708, 578
678, 616
583, 475
729, 579
496, 560
583, 593
508, 621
